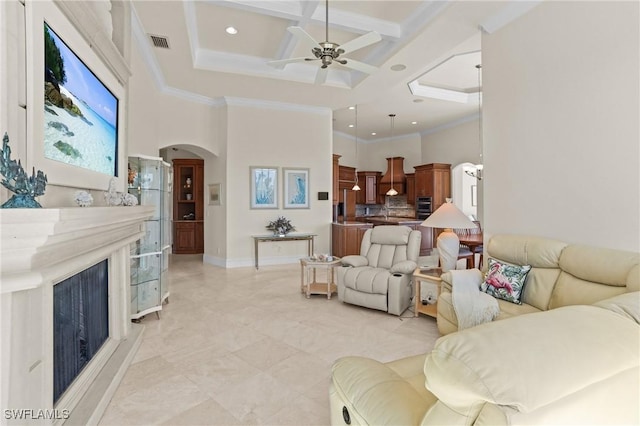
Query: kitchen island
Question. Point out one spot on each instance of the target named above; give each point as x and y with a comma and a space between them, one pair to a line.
427, 233
347, 236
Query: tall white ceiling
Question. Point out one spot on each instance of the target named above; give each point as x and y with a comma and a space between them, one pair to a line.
437, 42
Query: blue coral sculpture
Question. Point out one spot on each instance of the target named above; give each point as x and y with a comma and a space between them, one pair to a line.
25, 188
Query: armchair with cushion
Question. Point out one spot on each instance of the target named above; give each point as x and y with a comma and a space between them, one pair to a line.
380, 277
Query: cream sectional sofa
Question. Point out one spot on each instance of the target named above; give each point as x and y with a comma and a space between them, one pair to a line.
562, 274
548, 363
572, 365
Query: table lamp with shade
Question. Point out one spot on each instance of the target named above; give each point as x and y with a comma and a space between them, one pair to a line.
448, 217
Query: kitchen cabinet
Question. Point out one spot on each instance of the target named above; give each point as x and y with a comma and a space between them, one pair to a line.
368, 182
346, 177
150, 181
346, 237
188, 206
411, 188
433, 180
346, 180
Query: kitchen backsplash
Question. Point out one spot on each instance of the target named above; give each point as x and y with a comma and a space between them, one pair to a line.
395, 206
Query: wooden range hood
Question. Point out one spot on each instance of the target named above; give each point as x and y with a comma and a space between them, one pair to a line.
399, 178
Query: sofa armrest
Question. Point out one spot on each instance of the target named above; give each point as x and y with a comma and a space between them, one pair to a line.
354, 260
372, 393
404, 267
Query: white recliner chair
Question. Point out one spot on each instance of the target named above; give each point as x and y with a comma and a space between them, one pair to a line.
380, 277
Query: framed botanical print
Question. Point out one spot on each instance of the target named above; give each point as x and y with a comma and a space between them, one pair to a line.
296, 188
264, 187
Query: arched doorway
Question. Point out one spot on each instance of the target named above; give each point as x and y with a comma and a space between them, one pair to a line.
464, 190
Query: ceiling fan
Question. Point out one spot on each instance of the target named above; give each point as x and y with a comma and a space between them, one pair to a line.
328, 52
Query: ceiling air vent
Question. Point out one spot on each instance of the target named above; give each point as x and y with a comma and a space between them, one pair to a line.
159, 41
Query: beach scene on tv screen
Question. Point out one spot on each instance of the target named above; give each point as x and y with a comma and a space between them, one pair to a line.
80, 113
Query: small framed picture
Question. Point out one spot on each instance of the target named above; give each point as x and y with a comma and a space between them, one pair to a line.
214, 194
296, 188
264, 187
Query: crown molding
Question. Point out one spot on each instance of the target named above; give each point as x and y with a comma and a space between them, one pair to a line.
392, 139
512, 11
283, 106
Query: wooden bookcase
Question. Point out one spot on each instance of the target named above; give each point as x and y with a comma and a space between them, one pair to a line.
188, 206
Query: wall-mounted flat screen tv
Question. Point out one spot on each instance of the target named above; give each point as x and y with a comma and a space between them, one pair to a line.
80, 113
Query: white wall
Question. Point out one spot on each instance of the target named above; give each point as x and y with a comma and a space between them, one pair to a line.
374, 155
345, 146
561, 108
161, 120
278, 137
197, 129
452, 144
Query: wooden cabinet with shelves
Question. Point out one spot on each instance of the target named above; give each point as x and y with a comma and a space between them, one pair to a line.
346, 178
188, 206
433, 180
411, 188
368, 182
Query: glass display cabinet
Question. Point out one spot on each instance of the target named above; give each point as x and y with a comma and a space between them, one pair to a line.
150, 179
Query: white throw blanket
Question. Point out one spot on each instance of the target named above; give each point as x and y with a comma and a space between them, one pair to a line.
472, 306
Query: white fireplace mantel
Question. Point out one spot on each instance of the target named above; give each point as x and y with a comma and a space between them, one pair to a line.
37, 239
39, 248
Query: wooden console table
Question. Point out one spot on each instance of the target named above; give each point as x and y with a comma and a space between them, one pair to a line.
289, 237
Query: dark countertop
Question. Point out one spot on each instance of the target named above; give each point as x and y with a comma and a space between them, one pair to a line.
350, 223
391, 220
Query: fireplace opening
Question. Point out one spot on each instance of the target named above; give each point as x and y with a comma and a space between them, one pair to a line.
80, 323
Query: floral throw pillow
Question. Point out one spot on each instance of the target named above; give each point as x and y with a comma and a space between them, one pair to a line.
505, 281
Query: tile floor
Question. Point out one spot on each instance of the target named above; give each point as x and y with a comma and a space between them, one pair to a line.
245, 347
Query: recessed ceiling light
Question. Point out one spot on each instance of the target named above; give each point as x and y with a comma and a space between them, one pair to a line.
231, 30
398, 67
373, 133
414, 122
350, 125
352, 107
418, 100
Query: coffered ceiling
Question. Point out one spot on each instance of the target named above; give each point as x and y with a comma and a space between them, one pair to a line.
426, 61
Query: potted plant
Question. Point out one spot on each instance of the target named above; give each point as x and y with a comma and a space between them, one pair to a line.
281, 226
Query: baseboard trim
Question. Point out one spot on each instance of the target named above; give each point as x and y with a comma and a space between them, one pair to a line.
243, 263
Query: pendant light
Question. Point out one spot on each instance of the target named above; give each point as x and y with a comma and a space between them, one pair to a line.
477, 171
391, 192
356, 187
